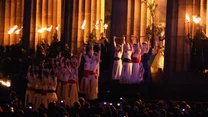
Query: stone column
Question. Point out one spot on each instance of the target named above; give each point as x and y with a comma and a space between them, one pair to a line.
50, 20
2, 9
59, 17
55, 17
207, 18
87, 18
7, 22
102, 14
13, 21
38, 22
130, 16
98, 17
171, 37
143, 22
80, 33
18, 19
33, 24
74, 25
137, 13
93, 14
44, 19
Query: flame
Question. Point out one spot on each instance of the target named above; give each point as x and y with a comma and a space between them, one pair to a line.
196, 19
42, 30
96, 24
105, 26
187, 17
57, 28
83, 25
18, 31
7, 83
11, 30
49, 29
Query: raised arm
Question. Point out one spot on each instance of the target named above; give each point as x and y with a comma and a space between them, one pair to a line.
114, 41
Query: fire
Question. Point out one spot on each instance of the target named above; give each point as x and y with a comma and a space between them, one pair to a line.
18, 31
196, 19
49, 29
11, 30
96, 24
57, 28
187, 17
105, 26
7, 83
42, 30
83, 25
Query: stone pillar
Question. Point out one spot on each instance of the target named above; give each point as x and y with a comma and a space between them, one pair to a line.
93, 14
7, 22
33, 24
18, 19
171, 37
59, 18
130, 9
13, 21
74, 25
207, 18
98, 17
55, 17
44, 19
102, 14
2, 9
38, 22
87, 18
80, 34
50, 20
137, 13
143, 20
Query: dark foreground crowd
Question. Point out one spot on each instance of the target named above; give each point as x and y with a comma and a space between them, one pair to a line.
119, 108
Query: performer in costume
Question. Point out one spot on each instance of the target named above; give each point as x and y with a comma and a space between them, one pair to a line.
30, 86
66, 72
45, 85
38, 89
51, 95
73, 80
146, 54
84, 86
127, 64
136, 59
93, 75
117, 64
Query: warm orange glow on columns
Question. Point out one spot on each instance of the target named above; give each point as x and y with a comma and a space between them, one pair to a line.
87, 17
98, 17
207, 19
202, 13
38, 21
80, 34
18, 19
148, 15
143, 20
32, 24
129, 17
93, 14
44, 19
74, 38
102, 14
50, 20
7, 22
137, 6
54, 17
12, 21
59, 17
2, 22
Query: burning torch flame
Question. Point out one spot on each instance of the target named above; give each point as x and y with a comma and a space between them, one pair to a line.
96, 24
196, 19
7, 83
18, 31
49, 29
105, 26
42, 30
11, 30
83, 25
57, 28
187, 17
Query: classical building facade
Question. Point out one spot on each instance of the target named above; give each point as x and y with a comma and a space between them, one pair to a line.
124, 17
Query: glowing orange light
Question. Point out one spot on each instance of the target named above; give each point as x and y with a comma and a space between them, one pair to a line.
187, 17
42, 30
196, 19
7, 83
96, 24
105, 26
11, 30
83, 25
57, 28
49, 29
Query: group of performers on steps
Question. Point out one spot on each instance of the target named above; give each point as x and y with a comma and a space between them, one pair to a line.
57, 79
